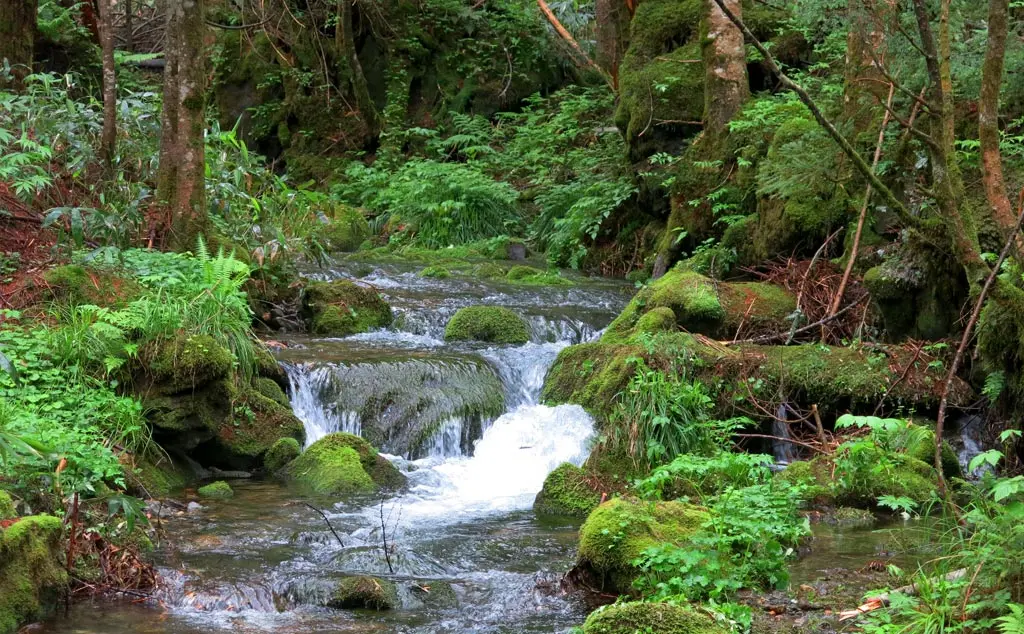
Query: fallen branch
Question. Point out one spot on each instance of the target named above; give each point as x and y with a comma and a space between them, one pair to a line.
817, 324
789, 440
328, 522
569, 39
882, 600
966, 338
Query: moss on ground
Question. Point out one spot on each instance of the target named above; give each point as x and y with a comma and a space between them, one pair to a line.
618, 531
343, 464
73, 285
281, 453
187, 362
341, 308
530, 276
436, 272
636, 617
566, 492
31, 576
491, 324
346, 228
155, 476
368, 593
219, 490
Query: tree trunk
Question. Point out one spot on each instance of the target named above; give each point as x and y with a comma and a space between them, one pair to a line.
108, 143
988, 118
725, 69
352, 68
17, 36
946, 74
612, 18
181, 180
865, 85
129, 26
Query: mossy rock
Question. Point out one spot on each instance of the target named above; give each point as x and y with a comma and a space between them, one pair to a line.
154, 477
438, 595
701, 305
660, 319
270, 389
343, 464
436, 272
7, 510
592, 375
219, 490
365, 593
566, 492
188, 362
618, 531
491, 324
814, 476
32, 579
74, 285
874, 474
341, 308
267, 367
530, 276
281, 453
488, 271
634, 617
346, 228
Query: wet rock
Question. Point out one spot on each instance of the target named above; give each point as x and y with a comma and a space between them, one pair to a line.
194, 507
219, 490
343, 464
566, 492
435, 594
31, 577
341, 308
281, 453
663, 618
369, 593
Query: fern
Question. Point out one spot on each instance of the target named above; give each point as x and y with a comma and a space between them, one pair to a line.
995, 383
1012, 623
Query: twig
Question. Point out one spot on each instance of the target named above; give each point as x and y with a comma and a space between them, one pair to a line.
328, 522
965, 340
818, 425
803, 285
789, 440
820, 322
863, 209
384, 535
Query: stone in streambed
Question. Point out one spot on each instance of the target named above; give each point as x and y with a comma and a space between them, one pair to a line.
663, 618
368, 593
343, 464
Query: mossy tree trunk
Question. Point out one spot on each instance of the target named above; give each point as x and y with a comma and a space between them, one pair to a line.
725, 70
612, 19
181, 179
17, 36
108, 144
865, 85
351, 68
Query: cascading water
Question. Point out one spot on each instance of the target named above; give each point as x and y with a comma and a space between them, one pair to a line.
465, 425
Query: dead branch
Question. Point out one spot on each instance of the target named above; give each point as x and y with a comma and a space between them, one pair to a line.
328, 522
817, 324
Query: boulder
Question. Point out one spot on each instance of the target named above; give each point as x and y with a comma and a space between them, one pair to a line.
566, 492
219, 490
367, 593
31, 577
341, 308
490, 324
663, 618
343, 464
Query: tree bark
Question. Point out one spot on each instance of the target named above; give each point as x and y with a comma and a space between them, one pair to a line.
181, 183
612, 19
345, 42
129, 26
988, 118
725, 69
108, 143
864, 85
17, 37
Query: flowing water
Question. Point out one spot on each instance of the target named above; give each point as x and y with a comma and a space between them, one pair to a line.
464, 423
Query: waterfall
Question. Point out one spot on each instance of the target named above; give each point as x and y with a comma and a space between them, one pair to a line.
782, 450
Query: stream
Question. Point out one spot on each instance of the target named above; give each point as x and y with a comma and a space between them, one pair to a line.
464, 423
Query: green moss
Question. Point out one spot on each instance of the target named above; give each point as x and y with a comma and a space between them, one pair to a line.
219, 490
341, 308
488, 271
566, 492
521, 271
635, 617
73, 284
343, 464
618, 531
270, 389
814, 475
188, 362
591, 375
281, 453
436, 272
247, 423
660, 319
530, 276
861, 481
493, 324
31, 577
346, 228
436, 594
156, 477
369, 593
849, 516
7, 510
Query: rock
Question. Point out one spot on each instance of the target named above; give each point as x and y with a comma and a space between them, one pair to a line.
491, 324
341, 308
435, 594
516, 251
219, 490
566, 492
343, 464
860, 482
194, 507
662, 618
618, 531
281, 453
31, 577
528, 275
369, 593
155, 476
7, 510
346, 228
189, 362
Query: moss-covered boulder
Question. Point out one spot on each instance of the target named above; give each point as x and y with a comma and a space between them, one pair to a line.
491, 324
435, 272
219, 490
366, 593
858, 481
7, 510
343, 464
188, 362
591, 375
73, 284
346, 228
702, 305
32, 579
438, 595
269, 388
618, 531
530, 276
281, 453
664, 618
566, 492
341, 308
154, 476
